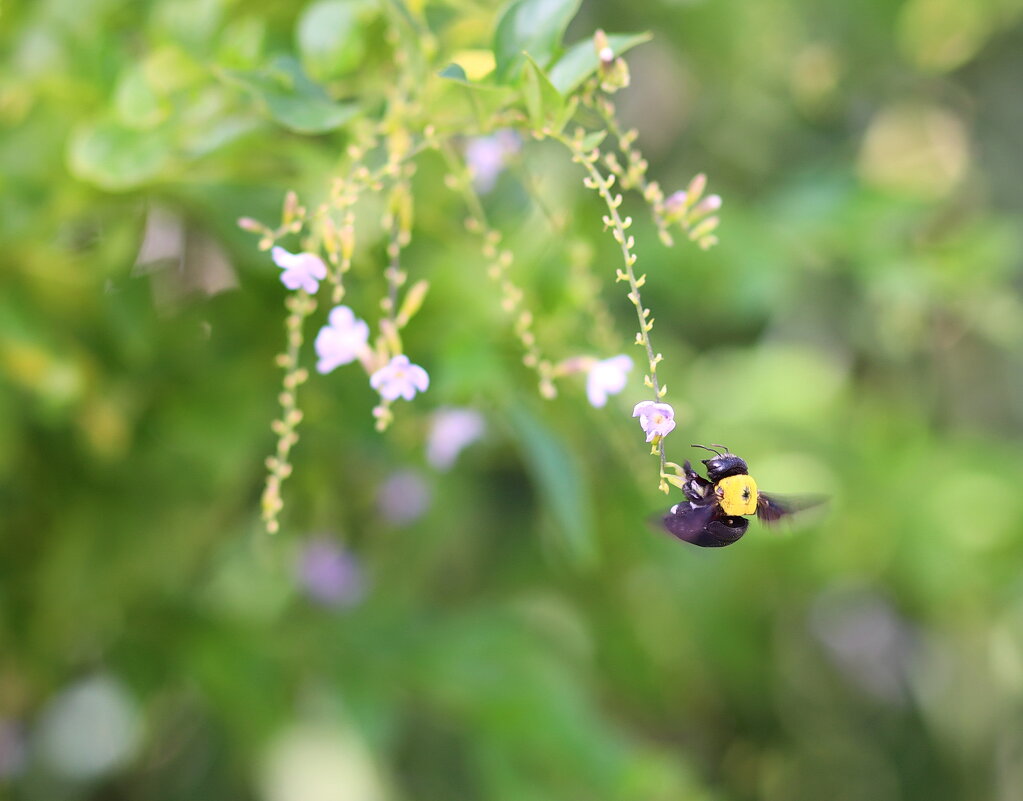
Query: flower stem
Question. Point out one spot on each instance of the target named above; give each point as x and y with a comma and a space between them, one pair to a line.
499, 261
300, 306
613, 220
633, 174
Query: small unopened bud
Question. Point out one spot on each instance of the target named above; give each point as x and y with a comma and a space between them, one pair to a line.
329, 232
606, 56
249, 224
616, 76
696, 187
291, 207
413, 302
708, 204
574, 364
676, 203
705, 228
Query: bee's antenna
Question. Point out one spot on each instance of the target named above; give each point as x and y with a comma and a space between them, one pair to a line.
694, 445
723, 447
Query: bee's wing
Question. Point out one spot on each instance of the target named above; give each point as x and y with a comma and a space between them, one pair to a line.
771, 507
704, 525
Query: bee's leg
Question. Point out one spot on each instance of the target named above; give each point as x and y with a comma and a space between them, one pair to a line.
696, 487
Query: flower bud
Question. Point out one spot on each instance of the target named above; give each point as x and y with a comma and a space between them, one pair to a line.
708, 204
251, 225
676, 204
696, 187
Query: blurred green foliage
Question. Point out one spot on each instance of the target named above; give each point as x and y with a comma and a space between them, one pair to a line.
858, 331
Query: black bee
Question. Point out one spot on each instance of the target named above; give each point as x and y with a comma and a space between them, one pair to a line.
712, 514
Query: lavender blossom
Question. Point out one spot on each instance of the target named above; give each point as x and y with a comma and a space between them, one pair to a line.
656, 419
342, 340
486, 157
607, 377
451, 431
329, 574
399, 378
301, 270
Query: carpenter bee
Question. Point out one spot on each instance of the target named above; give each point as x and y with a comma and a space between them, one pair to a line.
713, 512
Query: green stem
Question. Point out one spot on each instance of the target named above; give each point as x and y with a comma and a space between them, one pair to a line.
603, 186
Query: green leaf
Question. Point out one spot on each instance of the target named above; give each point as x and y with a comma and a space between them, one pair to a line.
116, 157
581, 61
330, 38
205, 133
454, 72
567, 113
293, 100
137, 104
560, 483
533, 26
307, 114
543, 102
486, 98
592, 140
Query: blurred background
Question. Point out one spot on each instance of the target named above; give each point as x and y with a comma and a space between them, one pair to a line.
502, 623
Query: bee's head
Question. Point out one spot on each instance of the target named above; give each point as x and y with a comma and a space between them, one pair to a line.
724, 464
727, 464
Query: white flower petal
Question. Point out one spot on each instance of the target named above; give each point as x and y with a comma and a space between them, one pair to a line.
281, 257
419, 377
341, 317
641, 408
595, 392
291, 279
315, 266
399, 379
656, 419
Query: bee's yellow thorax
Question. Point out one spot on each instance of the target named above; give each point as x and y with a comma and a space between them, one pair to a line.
738, 495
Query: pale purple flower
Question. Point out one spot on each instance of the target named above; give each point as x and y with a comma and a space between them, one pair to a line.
399, 378
451, 431
487, 155
301, 270
341, 340
607, 377
867, 640
403, 498
329, 574
656, 419
13, 749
